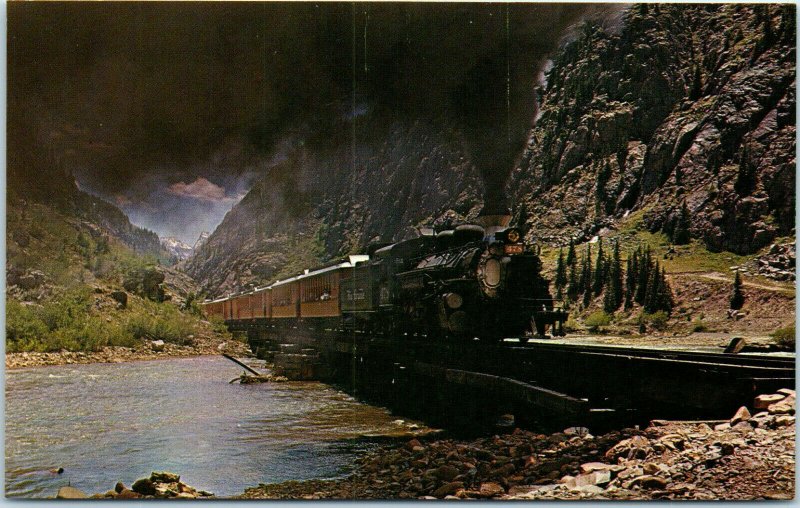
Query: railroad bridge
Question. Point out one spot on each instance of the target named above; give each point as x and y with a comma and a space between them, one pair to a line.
541, 382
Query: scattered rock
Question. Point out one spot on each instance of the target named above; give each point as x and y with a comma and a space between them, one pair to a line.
491, 489
651, 482
784, 406
128, 494
736, 345
71, 493
414, 443
144, 486
121, 297
447, 489
764, 401
741, 415
160, 484
31, 280
446, 472
591, 467
576, 431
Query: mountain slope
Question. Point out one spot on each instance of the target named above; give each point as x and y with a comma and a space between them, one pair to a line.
80, 276
684, 109
687, 104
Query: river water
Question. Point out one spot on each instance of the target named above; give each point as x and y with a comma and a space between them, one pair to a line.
105, 423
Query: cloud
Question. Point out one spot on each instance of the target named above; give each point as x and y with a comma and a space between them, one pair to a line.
200, 189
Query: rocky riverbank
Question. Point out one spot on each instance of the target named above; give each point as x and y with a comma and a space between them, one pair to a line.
747, 457
147, 350
160, 485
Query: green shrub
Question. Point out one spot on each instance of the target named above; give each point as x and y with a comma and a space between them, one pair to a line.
155, 321
88, 333
24, 329
657, 320
218, 324
596, 320
64, 310
191, 306
699, 326
63, 323
784, 336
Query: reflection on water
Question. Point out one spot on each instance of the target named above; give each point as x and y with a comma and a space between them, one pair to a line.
103, 423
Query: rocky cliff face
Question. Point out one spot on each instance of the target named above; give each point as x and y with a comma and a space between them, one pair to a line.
686, 105
682, 109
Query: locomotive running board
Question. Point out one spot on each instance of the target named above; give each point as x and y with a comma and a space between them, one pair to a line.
512, 389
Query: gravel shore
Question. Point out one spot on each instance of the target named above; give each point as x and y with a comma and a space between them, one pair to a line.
147, 350
746, 458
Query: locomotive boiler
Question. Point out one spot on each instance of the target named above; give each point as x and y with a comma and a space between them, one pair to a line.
473, 281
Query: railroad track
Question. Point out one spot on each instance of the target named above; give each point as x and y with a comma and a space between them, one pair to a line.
744, 360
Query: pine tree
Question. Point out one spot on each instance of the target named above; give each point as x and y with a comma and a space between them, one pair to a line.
645, 265
651, 298
573, 285
614, 285
571, 258
680, 235
630, 280
561, 275
665, 299
737, 297
608, 302
586, 277
599, 271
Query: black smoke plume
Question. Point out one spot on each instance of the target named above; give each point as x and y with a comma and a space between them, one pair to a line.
119, 92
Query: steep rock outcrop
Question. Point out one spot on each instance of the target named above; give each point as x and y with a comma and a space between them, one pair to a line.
686, 104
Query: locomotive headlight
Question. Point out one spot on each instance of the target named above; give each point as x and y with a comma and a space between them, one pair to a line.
512, 235
453, 300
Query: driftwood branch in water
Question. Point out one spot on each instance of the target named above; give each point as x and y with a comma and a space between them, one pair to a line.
229, 357
244, 379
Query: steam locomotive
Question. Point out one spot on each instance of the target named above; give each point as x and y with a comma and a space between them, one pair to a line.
472, 281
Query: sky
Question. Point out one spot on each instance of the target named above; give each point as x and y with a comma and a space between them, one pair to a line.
172, 110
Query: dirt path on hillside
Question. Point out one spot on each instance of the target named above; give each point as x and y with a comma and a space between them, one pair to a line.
716, 276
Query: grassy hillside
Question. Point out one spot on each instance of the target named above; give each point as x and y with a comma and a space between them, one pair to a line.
701, 282
72, 284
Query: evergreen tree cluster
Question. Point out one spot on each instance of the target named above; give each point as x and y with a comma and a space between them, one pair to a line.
642, 282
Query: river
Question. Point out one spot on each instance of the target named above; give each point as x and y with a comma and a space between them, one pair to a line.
105, 423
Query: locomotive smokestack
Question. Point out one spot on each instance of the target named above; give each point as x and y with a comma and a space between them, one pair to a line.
495, 214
